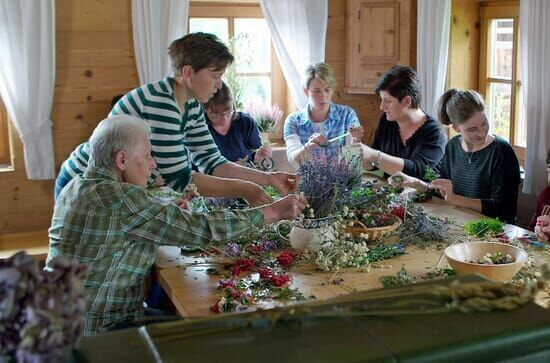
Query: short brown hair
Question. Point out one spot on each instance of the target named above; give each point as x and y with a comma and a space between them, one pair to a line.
457, 106
222, 97
321, 71
199, 50
401, 81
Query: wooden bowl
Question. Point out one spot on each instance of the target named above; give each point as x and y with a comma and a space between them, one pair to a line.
458, 254
375, 234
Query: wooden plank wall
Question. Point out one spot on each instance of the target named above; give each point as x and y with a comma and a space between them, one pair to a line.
94, 62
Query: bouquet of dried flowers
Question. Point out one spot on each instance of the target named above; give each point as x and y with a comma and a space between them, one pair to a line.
327, 184
267, 117
41, 311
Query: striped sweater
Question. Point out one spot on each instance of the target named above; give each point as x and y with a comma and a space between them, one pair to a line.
178, 137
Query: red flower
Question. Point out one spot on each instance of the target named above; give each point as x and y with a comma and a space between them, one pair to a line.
256, 249
241, 265
233, 293
216, 307
265, 273
285, 259
280, 280
398, 211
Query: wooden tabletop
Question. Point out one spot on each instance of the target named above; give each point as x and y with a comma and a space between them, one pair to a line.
193, 291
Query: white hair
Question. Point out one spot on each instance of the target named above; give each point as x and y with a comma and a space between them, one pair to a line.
112, 135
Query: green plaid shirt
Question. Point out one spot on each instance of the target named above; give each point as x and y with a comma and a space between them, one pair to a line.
115, 228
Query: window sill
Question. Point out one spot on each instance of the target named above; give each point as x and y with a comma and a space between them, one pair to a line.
4, 168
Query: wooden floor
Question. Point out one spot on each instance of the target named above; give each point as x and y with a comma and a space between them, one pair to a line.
34, 243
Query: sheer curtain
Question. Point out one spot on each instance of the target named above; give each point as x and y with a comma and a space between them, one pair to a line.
298, 29
434, 22
27, 78
535, 58
156, 23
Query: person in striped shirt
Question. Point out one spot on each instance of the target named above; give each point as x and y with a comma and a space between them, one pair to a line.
180, 136
106, 220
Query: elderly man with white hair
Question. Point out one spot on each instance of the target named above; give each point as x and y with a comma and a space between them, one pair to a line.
106, 220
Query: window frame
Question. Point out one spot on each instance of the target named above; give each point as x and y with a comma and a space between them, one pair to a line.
231, 11
5, 141
502, 10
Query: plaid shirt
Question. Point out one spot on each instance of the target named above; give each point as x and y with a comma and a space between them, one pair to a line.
115, 228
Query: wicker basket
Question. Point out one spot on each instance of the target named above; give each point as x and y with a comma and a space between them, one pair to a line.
375, 234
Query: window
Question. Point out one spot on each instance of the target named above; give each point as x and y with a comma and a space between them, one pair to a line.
255, 74
499, 73
5, 158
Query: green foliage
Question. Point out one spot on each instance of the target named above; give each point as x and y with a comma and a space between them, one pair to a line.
484, 227
238, 84
401, 278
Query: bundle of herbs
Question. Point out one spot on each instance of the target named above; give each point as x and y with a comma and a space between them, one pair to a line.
422, 230
327, 184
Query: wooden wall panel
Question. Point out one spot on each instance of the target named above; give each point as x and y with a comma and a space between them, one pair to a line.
464, 45
94, 62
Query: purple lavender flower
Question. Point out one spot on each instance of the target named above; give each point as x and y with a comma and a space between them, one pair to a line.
232, 249
268, 245
327, 184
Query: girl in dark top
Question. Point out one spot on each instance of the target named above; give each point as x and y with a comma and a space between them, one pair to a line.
407, 139
235, 133
479, 171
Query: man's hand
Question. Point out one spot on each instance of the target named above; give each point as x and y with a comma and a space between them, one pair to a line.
288, 207
284, 182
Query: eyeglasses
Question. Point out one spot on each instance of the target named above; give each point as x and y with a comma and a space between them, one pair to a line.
226, 114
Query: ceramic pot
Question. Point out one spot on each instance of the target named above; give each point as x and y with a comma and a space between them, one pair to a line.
308, 234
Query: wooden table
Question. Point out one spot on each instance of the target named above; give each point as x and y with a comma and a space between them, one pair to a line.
192, 290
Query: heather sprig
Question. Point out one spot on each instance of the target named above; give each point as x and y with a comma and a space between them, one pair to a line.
267, 117
327, 184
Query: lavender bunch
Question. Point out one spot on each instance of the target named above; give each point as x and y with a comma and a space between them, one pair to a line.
327, 184
41, 312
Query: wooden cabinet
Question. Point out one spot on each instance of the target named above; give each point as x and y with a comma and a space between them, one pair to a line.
378, 36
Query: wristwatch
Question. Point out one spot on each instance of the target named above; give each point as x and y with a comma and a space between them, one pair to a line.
376, 162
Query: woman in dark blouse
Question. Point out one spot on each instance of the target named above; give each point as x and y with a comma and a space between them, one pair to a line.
479, 171
407, 139
235, 133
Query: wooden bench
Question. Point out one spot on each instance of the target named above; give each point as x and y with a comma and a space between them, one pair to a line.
34, 243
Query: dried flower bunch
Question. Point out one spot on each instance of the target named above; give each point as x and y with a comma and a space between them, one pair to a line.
267, 117
41, 311
327, 184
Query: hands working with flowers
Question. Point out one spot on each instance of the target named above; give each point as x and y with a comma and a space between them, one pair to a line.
542, 228
401, 179
289, 207
307, 132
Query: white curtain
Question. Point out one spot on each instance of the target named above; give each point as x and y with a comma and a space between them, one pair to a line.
535, 58
156, 23
434, 22
27, 78
298, 29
